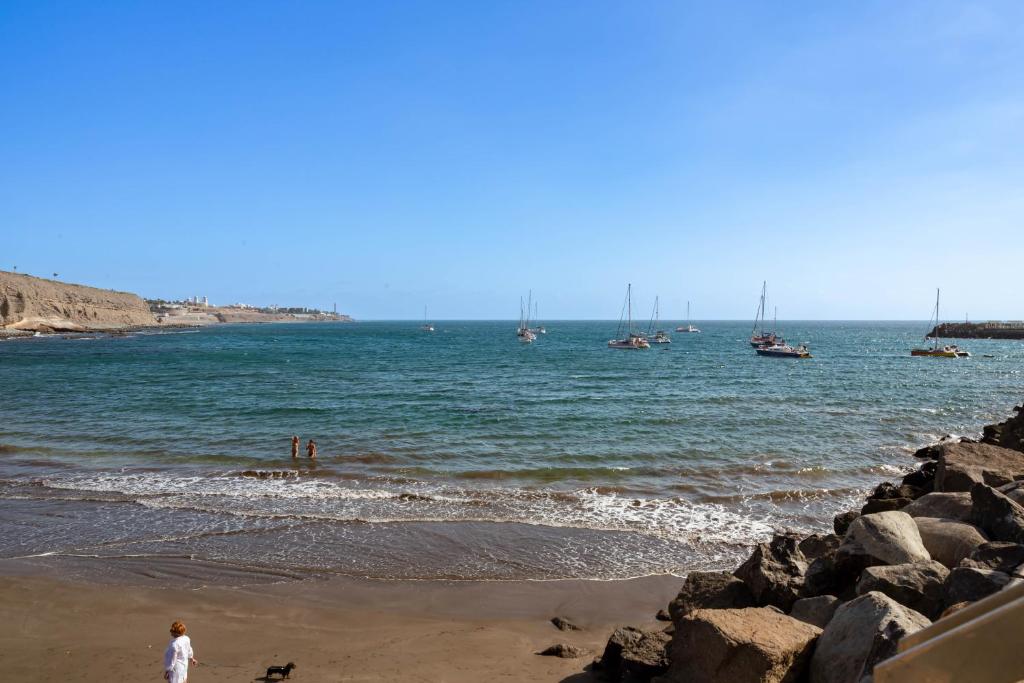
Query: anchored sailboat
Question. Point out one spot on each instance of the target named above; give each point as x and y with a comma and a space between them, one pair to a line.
659, 336
763, 338
629, 340
523, 331
689, 327
947, 351
426, 327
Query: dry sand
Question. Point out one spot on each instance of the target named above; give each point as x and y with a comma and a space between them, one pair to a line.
60, 629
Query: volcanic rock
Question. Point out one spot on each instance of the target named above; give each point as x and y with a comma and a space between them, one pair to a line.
816, 611
967, 584
949, 541
888, 537
962, 465
862, 633
1000, 517
564, 651
775, 571
919, 586
740, 645
954, 505
998, 555
634, 652
711, 590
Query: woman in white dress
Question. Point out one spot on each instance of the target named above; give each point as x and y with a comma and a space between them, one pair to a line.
178, 655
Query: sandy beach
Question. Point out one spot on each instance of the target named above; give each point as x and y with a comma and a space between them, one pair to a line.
334, 629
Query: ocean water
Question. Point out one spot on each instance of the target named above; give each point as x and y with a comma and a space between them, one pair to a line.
465, 454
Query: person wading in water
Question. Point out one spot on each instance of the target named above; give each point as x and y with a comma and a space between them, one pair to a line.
311, 449
295, 446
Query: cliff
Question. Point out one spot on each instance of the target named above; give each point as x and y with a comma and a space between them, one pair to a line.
35, 304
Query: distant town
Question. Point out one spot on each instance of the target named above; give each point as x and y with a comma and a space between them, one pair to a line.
198, 310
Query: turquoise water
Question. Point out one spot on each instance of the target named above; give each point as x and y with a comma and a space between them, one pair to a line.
465, 453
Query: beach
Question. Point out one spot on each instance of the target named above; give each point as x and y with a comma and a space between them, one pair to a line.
334, 630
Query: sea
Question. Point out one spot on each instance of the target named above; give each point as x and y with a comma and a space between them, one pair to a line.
464, 454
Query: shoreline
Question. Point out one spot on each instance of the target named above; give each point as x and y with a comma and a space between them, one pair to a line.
344, 628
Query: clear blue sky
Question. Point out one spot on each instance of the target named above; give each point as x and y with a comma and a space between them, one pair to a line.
390, 155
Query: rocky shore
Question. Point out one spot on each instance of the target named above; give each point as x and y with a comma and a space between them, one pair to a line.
826, 608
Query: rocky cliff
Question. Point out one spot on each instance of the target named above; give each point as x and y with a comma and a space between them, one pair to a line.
34, 304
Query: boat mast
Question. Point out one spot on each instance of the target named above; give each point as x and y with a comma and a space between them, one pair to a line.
529, 305
687, 313
629, 310
936, 318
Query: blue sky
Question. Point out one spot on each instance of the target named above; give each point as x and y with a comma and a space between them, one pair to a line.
391, 155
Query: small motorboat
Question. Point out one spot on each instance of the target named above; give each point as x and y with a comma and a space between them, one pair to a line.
784, 351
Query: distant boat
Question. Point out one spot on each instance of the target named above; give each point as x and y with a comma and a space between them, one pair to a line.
946, 351
539, 329
688, 327
654, 335
523, 331
626, 338
426, 327
762, 337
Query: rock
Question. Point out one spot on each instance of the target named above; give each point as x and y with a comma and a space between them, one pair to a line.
923, 477
819, 545
739, 645
888, 537
711, 590
842, 521
961, 465
1014, 491
955, 505
563, 624
635, 652
564, 651
862, 633
1000, 517
885, 490
816, 611
1008, 434
953, 609
822, 578
663, 615
967, 584
775, 571
998, 555
949, 541
919, 586
884, 505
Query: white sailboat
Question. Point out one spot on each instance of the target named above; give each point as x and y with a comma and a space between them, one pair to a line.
654, 335
688, 327
763, 338
426, 327
523, 331
947, 351
539, 329
630, 340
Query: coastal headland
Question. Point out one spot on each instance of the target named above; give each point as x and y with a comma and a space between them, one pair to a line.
30, 304
824, 608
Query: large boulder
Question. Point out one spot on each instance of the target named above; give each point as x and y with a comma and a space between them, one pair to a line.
923, 477
887, 537
874, 505
1000, 517
953, 505
775, 571
819, 545
998, 555
1008, 434
962, 465
634, 652
862, 633
740, 645
967, 584
816, 611
949, 541
1014, 491
842, 521
919, 586
710, 590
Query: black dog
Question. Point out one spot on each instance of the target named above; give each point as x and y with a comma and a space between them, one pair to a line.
284, 671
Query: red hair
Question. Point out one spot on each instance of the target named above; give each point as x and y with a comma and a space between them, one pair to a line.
177, 629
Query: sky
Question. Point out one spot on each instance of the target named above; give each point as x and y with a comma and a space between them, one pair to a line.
454, 155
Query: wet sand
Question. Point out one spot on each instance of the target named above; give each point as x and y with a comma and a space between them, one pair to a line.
335, 629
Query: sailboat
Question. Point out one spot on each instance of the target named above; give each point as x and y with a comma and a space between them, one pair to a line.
688, 327
539, 329
426, 327
660, 336
523, 331
780, 349
630, 340
947, 351
763, 338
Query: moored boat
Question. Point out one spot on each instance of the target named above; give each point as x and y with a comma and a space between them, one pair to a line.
763, 337
937, 351
784, 351
689, 326
658, 336
426, 327
625, 337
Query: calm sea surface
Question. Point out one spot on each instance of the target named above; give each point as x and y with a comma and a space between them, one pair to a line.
464, 453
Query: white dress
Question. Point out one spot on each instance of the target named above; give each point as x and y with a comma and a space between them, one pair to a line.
179, 651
